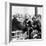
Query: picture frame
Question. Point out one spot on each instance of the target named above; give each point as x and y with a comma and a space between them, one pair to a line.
9, 21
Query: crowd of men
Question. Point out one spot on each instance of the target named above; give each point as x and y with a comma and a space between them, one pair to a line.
30, 26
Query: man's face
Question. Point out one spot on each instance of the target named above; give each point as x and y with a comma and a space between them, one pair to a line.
20, 19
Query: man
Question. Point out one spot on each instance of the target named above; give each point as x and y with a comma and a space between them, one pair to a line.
16, 25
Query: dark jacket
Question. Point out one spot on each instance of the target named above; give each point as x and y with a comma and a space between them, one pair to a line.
16, 25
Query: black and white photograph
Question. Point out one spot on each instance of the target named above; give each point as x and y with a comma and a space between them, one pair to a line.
25, 21
22, 22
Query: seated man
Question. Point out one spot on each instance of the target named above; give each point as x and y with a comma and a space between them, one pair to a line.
16, 25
